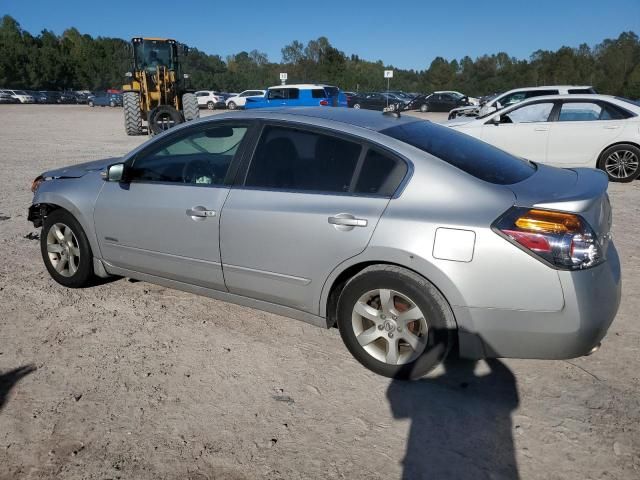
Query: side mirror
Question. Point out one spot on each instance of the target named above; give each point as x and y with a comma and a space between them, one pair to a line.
498, 106
497, 120
114, 173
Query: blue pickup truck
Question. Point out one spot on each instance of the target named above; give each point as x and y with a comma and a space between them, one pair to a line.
301, 95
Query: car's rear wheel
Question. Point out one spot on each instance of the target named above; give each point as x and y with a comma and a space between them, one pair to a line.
621, 162
112, 104
211, 105
424, 108
91, 103
65, 250
232, 106
395, 322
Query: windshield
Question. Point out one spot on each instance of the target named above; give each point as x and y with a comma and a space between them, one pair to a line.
470, 155
20, 92
153, 53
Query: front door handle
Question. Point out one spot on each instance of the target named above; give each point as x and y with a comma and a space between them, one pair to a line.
200, 213
541, 129
347, 220
611, 127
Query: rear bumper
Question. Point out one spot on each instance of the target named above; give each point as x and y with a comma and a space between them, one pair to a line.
591, 297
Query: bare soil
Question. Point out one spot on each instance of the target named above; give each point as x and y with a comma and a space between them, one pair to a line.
134, 381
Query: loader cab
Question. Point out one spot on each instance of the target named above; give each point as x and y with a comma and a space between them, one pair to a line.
150, 53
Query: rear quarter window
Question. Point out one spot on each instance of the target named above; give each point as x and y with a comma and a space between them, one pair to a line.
318, 93
470, 155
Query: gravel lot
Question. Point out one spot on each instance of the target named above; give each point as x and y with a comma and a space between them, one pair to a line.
133, 381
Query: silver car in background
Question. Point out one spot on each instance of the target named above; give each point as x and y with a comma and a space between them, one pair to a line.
412, 238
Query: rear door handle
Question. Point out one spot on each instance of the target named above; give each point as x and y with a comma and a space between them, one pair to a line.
347, 220
611, 127
200, 212
541, 129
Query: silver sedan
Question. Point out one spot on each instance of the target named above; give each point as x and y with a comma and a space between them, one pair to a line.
414, 239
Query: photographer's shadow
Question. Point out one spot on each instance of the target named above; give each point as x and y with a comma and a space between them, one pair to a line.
460, 422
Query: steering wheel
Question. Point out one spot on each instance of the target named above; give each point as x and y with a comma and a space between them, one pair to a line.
195, 169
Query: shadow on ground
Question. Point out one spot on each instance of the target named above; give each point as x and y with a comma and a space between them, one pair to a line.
9, 379
460, 422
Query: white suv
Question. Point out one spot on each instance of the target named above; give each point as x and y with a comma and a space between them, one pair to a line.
515, 96
20, 95
238, 101
210, 99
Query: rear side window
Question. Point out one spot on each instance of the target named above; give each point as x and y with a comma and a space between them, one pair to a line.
318, 93
580, 112
472, 156
296, 159
582, 90
380, 174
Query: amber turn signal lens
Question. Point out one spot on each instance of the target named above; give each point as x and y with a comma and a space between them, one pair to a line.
543, 221
36, 183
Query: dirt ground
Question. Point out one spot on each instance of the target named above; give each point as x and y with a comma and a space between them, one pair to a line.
134, 381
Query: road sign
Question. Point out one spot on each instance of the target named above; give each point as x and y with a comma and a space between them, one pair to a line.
283, 76
388, 74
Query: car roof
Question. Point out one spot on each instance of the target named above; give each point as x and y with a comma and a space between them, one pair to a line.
369, 119
545, 87
303, 85
574, 97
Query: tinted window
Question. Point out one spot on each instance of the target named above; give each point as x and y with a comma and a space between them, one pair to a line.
380, 174
318, 93
292, 159
580, 112
199, 158
332, 91
477, 158
537, 112
581, 90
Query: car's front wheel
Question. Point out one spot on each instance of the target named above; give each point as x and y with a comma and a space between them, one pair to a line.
65, 250
621, 162
91, 103
211, 105
231, 106
395, 322
356, 106
424, 108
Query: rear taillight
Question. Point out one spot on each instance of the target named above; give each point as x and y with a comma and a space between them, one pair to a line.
563, 240
324, 103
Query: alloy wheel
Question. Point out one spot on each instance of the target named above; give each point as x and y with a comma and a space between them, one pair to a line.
621, 164
389, 326
63, 249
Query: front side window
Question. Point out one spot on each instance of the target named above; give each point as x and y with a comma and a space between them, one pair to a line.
537, 112
296, 159
199, 158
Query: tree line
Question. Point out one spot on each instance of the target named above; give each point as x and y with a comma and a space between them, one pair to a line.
78, 61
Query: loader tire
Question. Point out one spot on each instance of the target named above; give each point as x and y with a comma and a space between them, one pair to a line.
190, 108
132, 113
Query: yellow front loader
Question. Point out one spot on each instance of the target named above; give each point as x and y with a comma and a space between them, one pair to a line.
156, 92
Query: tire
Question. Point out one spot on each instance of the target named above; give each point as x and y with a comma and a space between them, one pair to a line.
132, 113
190, 108
66, 251
211, 106
424, 108
112, 104
620, 162
163, 118
232, 106
91, 104
356, 106
431, 333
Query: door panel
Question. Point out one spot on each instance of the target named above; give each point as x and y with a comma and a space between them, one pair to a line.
526, 140
578, 144
146, 227
280, 246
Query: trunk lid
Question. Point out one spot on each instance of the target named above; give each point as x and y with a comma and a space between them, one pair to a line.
580, 190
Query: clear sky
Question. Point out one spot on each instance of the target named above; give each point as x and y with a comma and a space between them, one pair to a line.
406, 34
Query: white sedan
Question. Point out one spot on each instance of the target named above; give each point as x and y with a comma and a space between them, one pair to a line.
238, 101
597, 131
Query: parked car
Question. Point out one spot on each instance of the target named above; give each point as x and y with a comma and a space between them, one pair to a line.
210, 99
299, 95
374, 101
102, 99
20, 95
410, 236
514, 96
596, 131
458, 95
37, 96
238, 100
6, 97
437, 102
